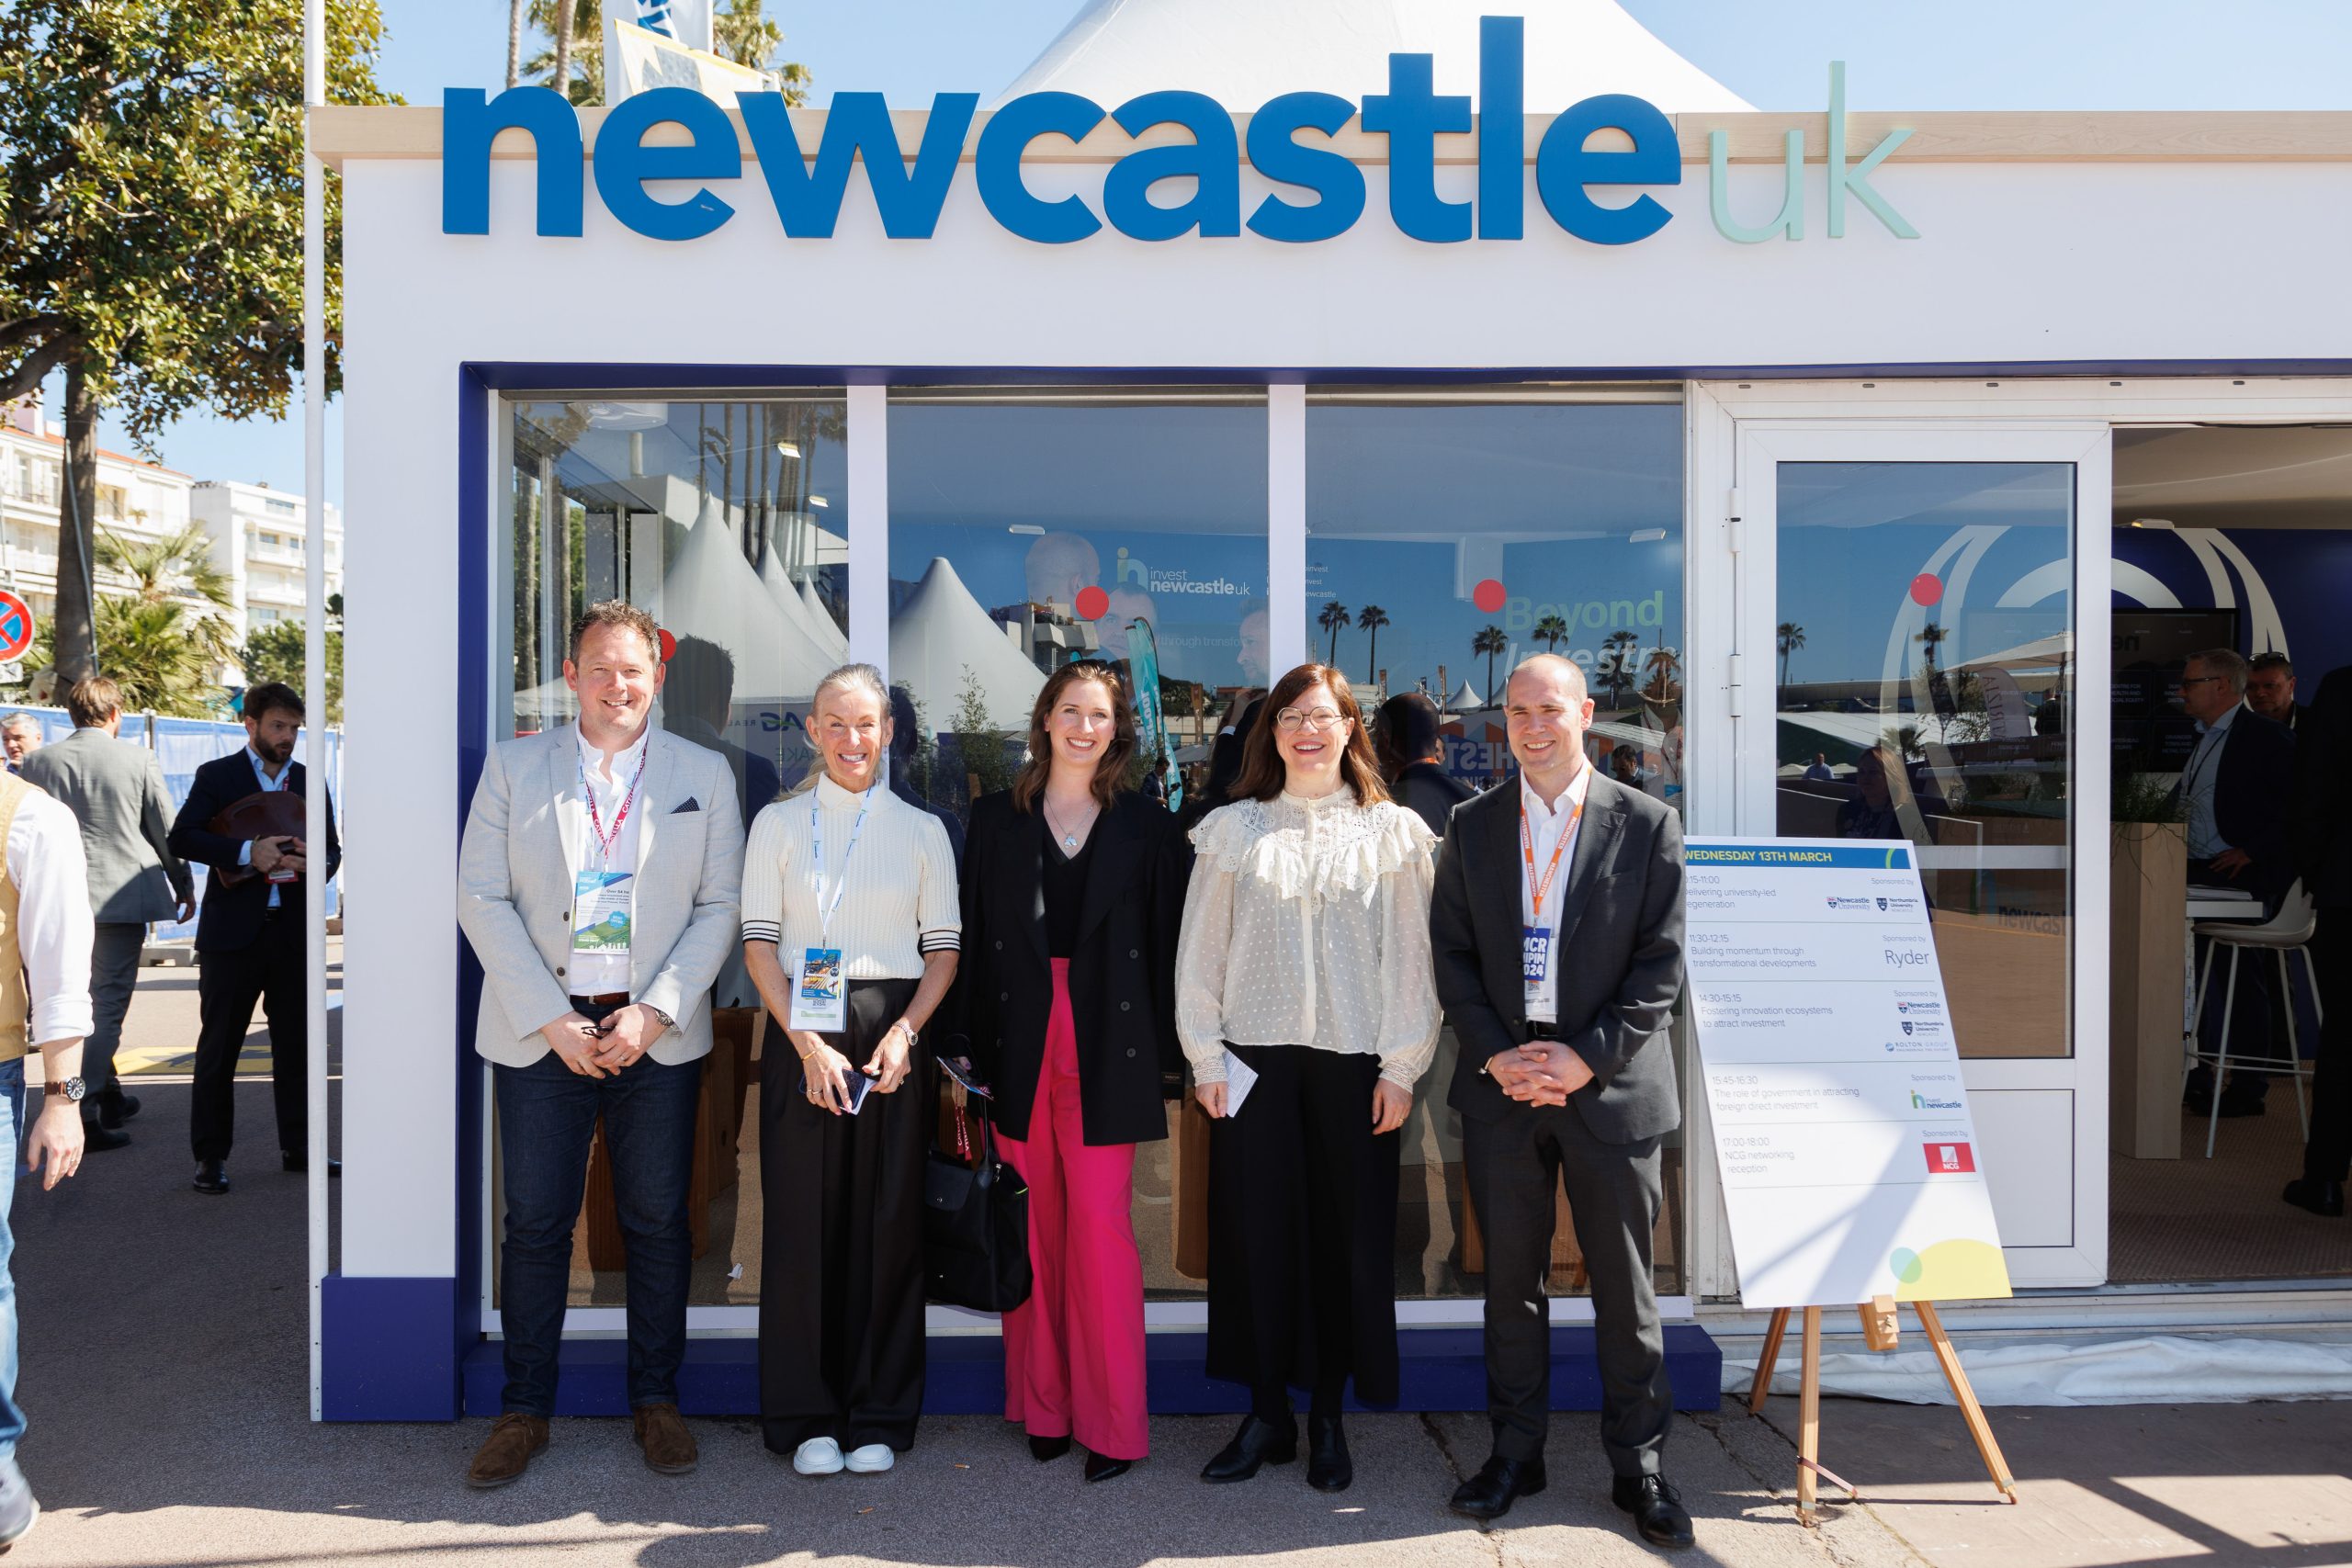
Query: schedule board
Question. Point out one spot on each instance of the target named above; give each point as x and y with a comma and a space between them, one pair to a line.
1850, 1165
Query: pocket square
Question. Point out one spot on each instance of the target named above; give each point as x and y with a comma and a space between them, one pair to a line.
689, 803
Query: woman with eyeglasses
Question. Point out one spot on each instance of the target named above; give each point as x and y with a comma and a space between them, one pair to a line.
1073, 890
850, 931
1307, 1008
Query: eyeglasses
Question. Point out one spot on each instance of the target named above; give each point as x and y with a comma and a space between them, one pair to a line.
1291, 721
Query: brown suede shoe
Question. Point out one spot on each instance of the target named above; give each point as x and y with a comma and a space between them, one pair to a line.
514, 1438
662, 1433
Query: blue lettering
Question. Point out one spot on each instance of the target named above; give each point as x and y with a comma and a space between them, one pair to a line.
1502, 128
810, 201
996, 167
1412, 114
469, 123
624, 162
1335, 180
1213, 160
1563, 167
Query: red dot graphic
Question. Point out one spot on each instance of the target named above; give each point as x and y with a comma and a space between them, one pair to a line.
1927, 589
1092, 603
1488, 596
669, 647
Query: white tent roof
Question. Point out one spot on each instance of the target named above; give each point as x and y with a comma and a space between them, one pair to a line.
822, 619
803, 615
1242, 52
1469, 699
776, 657
939, 632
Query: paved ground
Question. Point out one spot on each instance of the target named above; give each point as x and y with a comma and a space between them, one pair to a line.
164, 1375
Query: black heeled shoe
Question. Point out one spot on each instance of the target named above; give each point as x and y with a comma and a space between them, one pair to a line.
1328, 1468
1046, 1450
1102, 1467
1258, 1442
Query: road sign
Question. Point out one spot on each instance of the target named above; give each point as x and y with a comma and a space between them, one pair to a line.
15, 625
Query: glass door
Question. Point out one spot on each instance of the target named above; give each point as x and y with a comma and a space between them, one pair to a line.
1908, 605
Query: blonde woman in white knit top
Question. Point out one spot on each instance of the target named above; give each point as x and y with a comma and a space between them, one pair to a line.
843, 876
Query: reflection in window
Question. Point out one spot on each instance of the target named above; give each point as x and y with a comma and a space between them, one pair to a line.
1447, 540
1925, 646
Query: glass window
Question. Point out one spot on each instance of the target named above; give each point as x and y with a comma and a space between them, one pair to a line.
1926, 645
1449, 537
729, 521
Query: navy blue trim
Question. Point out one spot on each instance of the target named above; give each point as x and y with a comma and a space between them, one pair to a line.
385, 1353
586, 377
474, 533
1440, 1369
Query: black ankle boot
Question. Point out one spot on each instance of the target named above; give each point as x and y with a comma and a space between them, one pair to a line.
1328, 1468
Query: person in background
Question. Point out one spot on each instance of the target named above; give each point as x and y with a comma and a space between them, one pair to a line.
2322, 817
1819, 772
1562, 997
45, 930
2270, 689
20, 738
1224, 753
1155, 781
1073, 889
697, 700
116, 793
598, 883
1882, 806
249, 945
1305, 961
906, 739
851, 930
1412, 748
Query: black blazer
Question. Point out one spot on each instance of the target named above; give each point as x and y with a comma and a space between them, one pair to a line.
1121, 976
2252, 781
231, 916
1429, 793
1619, 954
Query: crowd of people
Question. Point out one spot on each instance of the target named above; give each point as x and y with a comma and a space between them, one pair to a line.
1293, 946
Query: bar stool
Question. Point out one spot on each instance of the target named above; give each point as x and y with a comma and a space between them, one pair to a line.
2289, 931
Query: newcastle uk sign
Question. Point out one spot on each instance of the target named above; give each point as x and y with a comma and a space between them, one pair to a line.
1322, 193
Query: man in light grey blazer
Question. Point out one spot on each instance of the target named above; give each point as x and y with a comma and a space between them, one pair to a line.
598, 881
116, 792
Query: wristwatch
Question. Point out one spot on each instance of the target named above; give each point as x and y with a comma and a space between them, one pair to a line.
667, 1021
913, 1039
71, 1089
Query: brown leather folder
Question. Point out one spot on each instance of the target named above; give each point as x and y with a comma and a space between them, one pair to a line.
265, 814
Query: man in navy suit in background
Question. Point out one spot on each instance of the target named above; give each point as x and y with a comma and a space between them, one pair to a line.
249, 937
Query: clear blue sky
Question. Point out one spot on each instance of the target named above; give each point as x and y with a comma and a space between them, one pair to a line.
1982, 54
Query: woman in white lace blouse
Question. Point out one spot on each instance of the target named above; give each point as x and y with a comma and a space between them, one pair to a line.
1305, 959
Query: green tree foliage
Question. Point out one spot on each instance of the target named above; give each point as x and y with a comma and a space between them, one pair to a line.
176, 569
1490, 641
150, 178
274, 652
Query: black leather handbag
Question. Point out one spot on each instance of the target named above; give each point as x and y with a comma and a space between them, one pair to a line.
975, 1223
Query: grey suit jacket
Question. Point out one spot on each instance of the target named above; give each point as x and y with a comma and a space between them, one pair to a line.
1619, 954
115, 789
514, 882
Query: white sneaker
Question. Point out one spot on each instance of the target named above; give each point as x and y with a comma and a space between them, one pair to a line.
818, 1455
873, 1457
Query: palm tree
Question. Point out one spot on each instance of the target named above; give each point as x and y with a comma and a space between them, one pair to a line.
1372, 619
513, 42
1619, 646
1791, 638
1490, 641
1551, 629
1334, 616
1929, 636
1662, 663
174, 570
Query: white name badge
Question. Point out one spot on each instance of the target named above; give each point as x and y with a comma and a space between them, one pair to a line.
820, 998
1535, 959
600, 912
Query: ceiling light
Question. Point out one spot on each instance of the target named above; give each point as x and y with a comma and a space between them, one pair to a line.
2152, 523
1024, 528
788, 449
1648, 536
819, 501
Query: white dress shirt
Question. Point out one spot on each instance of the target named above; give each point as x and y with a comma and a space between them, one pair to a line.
600, 974
55, 929
2198, 783
268, 787
1545, 826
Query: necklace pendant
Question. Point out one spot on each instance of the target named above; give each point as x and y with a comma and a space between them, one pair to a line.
1070, 841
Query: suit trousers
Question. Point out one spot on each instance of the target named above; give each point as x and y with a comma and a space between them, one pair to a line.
1303, 1234
1514, 1166
840, 1245
228, 983
114, 973
2328, 1155
1074, 1350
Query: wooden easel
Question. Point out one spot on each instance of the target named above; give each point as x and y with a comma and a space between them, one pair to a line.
1878, 1327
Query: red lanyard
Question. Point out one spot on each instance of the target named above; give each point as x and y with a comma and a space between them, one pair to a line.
1537, 892
605, 841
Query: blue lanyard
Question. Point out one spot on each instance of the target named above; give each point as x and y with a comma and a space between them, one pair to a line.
816, 856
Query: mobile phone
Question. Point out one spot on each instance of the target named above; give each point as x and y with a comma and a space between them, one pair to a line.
860, 1086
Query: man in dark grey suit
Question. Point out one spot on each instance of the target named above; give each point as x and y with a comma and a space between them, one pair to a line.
1561, 995
116, 792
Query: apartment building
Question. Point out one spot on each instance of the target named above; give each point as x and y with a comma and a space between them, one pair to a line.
136, 499
259, 539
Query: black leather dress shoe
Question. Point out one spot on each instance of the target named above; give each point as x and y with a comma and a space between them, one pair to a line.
1102, 1467
1328, 1468
1657, 1508
213, 1176
1044, 1448
1498, 1484
2324, 1199
296, 1164
96, 1136
1258, 1442
115, 1107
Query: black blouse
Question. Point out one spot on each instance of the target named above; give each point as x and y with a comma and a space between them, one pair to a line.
1065, 890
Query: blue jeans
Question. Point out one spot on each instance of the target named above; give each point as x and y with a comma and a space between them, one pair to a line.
547, 1118
12, 1127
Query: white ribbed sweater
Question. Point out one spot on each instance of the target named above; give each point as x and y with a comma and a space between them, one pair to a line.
900, 902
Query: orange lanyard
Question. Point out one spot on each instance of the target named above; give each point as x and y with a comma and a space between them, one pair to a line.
1537, 892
